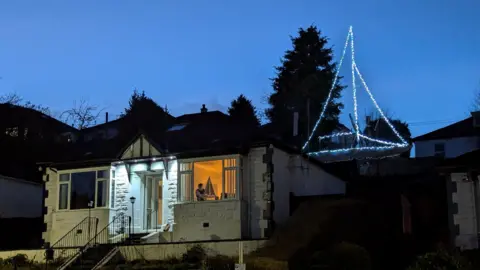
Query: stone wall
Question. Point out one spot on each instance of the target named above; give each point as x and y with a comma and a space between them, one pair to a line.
127, 186
38, 255
152, 252
166, 251
464, 212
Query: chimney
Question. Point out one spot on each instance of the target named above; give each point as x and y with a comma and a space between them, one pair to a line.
106, 117
203, 109
295, 124
476, 119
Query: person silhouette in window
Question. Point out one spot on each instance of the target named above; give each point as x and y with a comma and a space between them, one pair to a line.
200, 193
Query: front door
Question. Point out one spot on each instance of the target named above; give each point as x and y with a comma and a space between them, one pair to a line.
153, 201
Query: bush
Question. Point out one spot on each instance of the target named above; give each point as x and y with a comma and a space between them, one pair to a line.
220, 262
343, 256
195, 255
18, 260
440, 260
265, 263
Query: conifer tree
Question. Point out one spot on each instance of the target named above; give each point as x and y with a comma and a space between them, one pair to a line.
305, 77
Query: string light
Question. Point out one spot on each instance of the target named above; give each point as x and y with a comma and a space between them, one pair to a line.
329, 93
385, 145
357, 131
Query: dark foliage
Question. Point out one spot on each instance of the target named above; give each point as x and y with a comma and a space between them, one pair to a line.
306, 74
379, 129
243, 112
143, 113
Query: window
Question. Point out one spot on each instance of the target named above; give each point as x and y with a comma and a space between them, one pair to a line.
177, 127
77, 190
439, 150
218, 179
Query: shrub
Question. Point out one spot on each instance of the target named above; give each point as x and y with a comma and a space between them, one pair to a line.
344, 256
18, 260
440, 260
265, 263
196, 254
220, 262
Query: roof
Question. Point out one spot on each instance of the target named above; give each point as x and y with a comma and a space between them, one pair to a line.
467, 160
204, 134
463, 128
20, 114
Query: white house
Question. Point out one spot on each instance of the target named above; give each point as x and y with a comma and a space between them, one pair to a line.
450, 141
248, 182
463, 191
20, 198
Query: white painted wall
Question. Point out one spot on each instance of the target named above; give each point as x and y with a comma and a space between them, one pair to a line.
453, 147
20, 198
59, 222
465, 218
223, 218
294, 173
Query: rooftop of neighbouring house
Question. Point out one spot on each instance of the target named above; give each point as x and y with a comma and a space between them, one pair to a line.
19, 114
467, 160
465, 128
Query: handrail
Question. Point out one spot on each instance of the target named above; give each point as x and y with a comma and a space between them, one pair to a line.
117, 231
76, 236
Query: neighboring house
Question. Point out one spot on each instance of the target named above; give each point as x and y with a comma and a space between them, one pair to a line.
249, 179
450, 141
20, 198
463, 194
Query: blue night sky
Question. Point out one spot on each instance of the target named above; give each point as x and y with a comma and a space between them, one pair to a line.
420, 58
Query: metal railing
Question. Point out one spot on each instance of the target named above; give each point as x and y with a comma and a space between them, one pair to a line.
117, 231
78, 235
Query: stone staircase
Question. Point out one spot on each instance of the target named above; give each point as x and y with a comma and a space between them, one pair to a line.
91, 257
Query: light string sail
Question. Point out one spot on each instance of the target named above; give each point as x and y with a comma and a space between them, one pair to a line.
362, 143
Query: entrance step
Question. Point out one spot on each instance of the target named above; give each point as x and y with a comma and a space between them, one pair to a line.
91, 257
136, 238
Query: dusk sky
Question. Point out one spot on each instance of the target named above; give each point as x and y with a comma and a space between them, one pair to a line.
421, 58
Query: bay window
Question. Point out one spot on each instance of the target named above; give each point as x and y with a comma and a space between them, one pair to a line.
78, 189
218, 178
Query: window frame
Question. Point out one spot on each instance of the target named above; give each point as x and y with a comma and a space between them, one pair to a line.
438, 153
237, 168
69, 188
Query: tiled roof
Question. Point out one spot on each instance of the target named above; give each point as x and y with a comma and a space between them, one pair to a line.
469, 159
464, 128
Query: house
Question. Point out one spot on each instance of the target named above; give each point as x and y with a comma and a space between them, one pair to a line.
28, 136
450, 141
463, 194
20, 198
152, 179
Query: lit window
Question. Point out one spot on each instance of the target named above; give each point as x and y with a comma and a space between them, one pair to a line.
208, 180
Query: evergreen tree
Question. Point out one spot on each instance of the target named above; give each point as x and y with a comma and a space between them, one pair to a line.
242, 111
305, 76
143, 113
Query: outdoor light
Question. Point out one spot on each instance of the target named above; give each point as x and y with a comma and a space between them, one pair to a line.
132, 200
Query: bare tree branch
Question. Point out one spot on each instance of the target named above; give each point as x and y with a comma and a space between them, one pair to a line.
82, 115
17, 100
